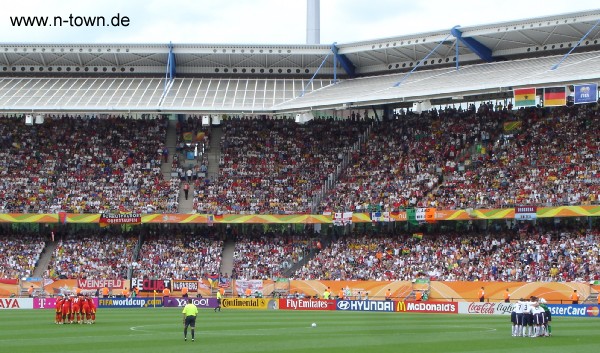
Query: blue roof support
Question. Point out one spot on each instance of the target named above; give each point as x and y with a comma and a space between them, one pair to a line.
334, 69
476, 47
397, 84
170, 70
314, 75
456, 47
346, 64
555, 66
171, 63
169, 74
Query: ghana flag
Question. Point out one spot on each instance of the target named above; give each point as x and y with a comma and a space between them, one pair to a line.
555, 96
524, 97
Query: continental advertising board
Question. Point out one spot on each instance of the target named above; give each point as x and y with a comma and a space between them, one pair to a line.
430, 307
307, 304
245, 303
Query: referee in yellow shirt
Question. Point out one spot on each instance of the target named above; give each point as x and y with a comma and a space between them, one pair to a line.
189, 318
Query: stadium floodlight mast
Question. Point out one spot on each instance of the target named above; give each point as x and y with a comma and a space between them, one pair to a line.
313, 21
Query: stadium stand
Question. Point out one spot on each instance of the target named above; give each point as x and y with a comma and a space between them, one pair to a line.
84, 164
93, 253
404, 159
529, 253
20, 253
267, 255
458, 155
551, 161
180, 253
275, 166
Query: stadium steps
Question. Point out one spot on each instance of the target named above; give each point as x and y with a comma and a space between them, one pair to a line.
186, 206
412, 296
214, 152
171, 143
325, 240
289, 273
44, 261
592, 298
227, 257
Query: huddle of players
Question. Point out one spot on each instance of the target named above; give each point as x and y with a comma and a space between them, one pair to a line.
79, 309
531, 318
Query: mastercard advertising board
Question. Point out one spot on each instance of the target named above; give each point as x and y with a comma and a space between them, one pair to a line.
574, 310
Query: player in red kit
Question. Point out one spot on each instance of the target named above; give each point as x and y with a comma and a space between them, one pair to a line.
58, 308
66, 310
92, 310
76, 309
85, 310
72, 311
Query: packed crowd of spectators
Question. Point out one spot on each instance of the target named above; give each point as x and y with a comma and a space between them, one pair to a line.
553, 159
527, 254
20, 252
404, 159
274, 165
84, 164
520, 251
267, 255
445, 158
179, 254
103, 253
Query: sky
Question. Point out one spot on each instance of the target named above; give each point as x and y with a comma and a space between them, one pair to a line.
259, 21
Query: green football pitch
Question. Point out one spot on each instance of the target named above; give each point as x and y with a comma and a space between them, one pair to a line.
161, 330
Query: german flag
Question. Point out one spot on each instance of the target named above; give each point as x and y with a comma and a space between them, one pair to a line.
555, 96
524, 97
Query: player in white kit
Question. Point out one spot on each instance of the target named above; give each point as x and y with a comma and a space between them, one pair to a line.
518, 318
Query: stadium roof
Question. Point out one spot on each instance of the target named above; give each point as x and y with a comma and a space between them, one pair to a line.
228, 70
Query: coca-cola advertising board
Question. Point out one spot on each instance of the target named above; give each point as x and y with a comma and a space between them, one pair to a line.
485, 308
